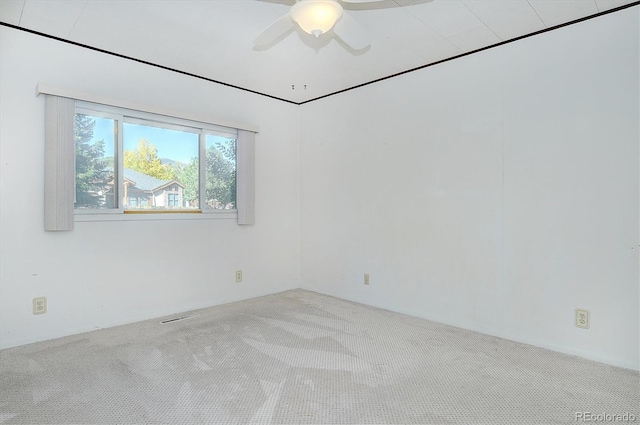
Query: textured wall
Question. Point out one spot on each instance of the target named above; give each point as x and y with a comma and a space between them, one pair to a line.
104, 273
496, 192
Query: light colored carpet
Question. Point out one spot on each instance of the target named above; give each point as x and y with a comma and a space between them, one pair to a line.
300, 357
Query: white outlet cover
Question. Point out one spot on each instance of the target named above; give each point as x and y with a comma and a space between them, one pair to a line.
40, 305
583, 318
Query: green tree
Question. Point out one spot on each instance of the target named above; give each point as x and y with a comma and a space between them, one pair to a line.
94, 172
189, 178
228, 151
144, 159
221, 177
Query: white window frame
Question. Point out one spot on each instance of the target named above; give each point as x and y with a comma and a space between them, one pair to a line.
124, 115
59, 192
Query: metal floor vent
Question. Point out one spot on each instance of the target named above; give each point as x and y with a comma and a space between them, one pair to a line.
175, 319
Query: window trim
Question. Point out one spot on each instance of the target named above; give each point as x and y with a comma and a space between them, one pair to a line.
128, 116
80, 109
134, 215
59, 120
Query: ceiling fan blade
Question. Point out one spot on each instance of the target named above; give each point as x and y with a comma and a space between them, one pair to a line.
287, 2
351, 32
274, 31
379, 4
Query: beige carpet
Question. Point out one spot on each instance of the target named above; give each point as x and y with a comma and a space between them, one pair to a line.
299, 357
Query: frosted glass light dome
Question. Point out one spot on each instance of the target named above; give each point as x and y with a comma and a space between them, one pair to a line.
316, 17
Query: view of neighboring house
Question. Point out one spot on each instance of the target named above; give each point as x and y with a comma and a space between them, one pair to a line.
144, 191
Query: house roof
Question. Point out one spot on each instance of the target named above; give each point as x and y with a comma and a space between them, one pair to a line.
146, 182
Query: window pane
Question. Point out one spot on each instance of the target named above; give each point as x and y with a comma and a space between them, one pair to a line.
159, 162
95, 163
220, 172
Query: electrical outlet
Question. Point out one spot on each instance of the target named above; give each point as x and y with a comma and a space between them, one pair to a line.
238, 276
40, 305
583, 319
366, 278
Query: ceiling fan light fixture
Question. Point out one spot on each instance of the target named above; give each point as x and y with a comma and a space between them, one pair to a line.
316, 17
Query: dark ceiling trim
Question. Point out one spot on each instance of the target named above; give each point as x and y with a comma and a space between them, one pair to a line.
96, 49
200, 77
606, 12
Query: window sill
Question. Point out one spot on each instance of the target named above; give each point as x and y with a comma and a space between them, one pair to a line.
176, 211
157, 215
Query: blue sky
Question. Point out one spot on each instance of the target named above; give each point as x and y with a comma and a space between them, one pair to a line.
172, 144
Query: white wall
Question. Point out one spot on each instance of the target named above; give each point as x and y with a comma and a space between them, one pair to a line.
107, 273
496, 192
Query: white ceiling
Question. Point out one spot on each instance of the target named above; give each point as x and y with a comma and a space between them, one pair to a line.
214, 38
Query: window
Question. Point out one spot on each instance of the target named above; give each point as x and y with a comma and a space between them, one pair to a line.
128, 161
85, 178
95, 147
174, 200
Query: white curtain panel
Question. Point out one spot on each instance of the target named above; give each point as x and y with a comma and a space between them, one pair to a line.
59, 166
245, 192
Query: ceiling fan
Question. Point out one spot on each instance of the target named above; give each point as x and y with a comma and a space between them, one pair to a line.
317, 17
